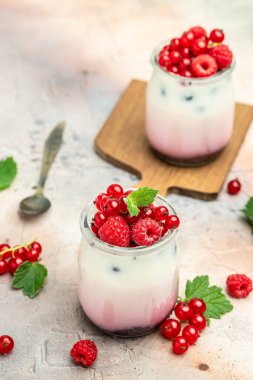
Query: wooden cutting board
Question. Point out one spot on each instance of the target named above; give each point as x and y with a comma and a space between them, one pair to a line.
122, 141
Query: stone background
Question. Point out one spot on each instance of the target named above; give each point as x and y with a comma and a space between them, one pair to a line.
71, 60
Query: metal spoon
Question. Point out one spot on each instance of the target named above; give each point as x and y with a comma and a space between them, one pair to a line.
38, 203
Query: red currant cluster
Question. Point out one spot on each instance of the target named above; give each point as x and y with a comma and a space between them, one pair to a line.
12, 258
113, 223
191, 312
6, 344
195, 54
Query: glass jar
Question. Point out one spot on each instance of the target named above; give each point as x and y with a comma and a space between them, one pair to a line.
189, 121
127, 291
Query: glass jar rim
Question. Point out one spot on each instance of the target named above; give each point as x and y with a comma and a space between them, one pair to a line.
123, 251
213, 78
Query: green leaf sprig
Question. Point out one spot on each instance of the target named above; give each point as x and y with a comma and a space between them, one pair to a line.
8, 172
248, 211
142, 197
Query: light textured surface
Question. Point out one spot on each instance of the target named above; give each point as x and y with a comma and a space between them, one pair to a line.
71, 60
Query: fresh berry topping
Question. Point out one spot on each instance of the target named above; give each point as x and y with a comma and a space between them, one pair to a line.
204, 66
180, 345
222, 55
14, 263
147, 212
175, 44
3, 267
98, 201
99, 219
198, 305
164, 61
171, 328
146, 232
115, 190
190, 333
183, 311
94, 229
217, 35
6, 344
198, 321
7, 254
187, 39
173, 69
199, 46
175, 57
172, 222
84, 352
234, 187
123, 205
161, 213
185, 52
239, 285
32, 255
112, 207
186, 73
115, 231
198, 31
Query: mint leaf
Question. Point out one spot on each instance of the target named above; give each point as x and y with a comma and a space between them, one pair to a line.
216, 302
141, 197
8, 171
248, 211
30, 277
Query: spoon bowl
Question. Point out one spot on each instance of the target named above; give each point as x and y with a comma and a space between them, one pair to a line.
35, 204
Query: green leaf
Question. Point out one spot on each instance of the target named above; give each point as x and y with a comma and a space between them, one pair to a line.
141, 197
248, 211
8, 171
216, 302
30, 277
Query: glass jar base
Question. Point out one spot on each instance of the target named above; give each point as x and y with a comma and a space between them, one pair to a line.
190, 162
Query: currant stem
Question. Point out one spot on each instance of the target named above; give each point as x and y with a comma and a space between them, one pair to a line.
13, 249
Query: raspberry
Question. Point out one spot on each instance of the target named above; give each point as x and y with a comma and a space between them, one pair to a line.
84, 352
146, 232
115, 231
239, 285
222, 55
204, 66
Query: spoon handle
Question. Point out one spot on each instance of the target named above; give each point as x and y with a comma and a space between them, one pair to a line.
51, 148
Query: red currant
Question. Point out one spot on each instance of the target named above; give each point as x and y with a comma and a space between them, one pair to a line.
32, 255
164, 61
6, 344
112, 207
216, 35
180, 345
173, 69
172, 221
186, 73
123, 205
20, 251
190, 333
183, 311
175, 57
3, 267
164, 226
185, 52
198, 305
100, 219
187, 39
171, 328
98, 201
36, 245
94, 229
161, 213
175, 44
7, 254
126, 193
187, 62
198, 31
14, 263
234, 187
199, 46
115, 190
146, 212
198, 321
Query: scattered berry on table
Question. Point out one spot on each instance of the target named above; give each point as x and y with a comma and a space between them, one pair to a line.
198, 305
7, 254
190, 333
216, 35
14, 263
20, 251
3, 267
84, 352
32, 255
239, 285
37, 246
204, 66
146, 232
234, 187
183, 311
115, 231
6, 344
171, 328
198, 321
180, 345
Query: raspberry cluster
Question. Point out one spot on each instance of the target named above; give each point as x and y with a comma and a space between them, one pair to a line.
113, 224
196, 54
191, 312
12, 258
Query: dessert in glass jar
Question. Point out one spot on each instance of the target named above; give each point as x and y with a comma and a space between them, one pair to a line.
190, 98
128, 261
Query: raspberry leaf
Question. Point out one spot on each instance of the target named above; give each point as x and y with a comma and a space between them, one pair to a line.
141, 197
216, 302
8, 171
30, 277
248, 211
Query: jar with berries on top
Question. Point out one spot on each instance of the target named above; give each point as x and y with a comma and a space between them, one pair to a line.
190, 98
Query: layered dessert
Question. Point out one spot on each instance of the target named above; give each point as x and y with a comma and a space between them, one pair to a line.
190, 98
128, 261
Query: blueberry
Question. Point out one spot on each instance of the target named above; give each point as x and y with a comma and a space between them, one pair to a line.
163, 92
188, 98
116, 269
